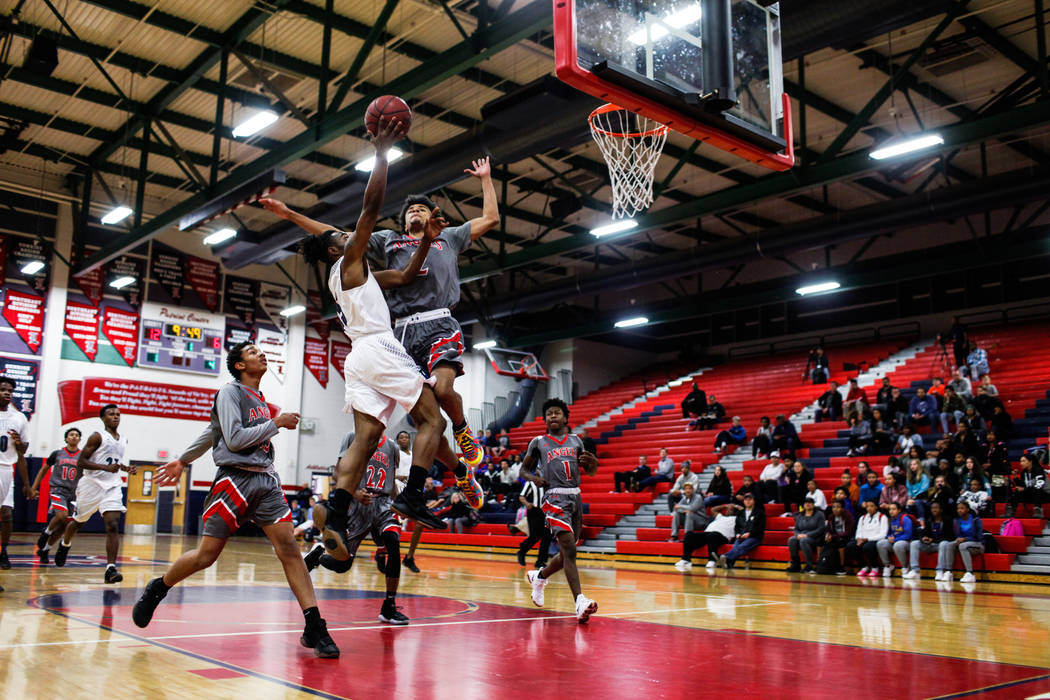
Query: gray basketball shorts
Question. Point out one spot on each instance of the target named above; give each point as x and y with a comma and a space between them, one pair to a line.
564, 513
434, 341
374, 518
239, 495
62, 498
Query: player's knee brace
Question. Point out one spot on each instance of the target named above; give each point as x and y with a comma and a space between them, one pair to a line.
393, 554
332, 564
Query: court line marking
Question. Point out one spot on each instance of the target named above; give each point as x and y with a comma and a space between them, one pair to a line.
987, 688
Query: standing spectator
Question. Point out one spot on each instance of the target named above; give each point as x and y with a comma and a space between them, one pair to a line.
872, 527
977, 362
976, 498
908, 439
935, 536
664, 472
829, 405
856, 398
852, 490
719, 532
720, 490
762, 445
820, 501
1029, 486
736, 435
694, 403
884, 395
918, 484
749, 486
795, 490
817, 367
772, 477
893, 492
838, 531
809, 527
750, 529
956, 335
1001, 422
872, 490
686, 477
961, 385
923, 408
897, 410
969, 540
898, 540
881, 433
688, 515
714, 413
989, 388
632, 477
859, 435
954, 408
532, 498
785, 437
589, 445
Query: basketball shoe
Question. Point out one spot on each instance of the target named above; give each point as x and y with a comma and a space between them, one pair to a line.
538, 584
585, 607
471, 490
472, 453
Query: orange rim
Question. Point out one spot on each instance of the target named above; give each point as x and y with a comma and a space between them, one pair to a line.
660, 129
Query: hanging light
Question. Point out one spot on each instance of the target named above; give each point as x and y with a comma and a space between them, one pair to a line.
631, 322
254, 124
293, 310
220, 236
909, 145
818, 287
116, 215
616, 227
32, 267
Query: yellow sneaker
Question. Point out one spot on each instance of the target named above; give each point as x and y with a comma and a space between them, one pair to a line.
471, 490
472, 453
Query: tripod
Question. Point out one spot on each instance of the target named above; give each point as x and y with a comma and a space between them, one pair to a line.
940, 361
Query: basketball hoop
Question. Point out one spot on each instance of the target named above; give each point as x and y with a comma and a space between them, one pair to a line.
631, 144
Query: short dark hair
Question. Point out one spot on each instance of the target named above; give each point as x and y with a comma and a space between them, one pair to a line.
72, 430
551, 403
7, 380
102, 411
409, 201
400, 433
236, 355
314, 249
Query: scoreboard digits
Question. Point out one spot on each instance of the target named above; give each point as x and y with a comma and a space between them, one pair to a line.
181, 347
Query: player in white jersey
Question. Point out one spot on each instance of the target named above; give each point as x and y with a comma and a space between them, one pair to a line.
14, 439
100, 462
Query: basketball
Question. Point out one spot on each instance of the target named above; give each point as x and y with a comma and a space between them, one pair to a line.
389, 106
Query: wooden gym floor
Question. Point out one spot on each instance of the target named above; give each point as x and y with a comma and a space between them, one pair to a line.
233, 631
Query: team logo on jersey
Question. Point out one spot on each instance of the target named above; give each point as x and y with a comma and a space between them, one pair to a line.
556, 452
256, 412
412, 242
381, 457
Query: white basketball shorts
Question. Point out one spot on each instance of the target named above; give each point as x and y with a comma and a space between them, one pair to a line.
92, 496
380, 375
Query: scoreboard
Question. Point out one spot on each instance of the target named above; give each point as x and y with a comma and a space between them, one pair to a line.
193, 343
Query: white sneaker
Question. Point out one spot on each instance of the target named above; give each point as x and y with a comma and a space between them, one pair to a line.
538, 584
887, 571
968, 577
711, 564
585, 607
947, 576
683, 565
910, 573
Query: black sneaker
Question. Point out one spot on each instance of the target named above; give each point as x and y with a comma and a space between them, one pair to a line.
793, 569
392, 615
332, 533
42, 540
380, 559
409, 504
313, 557
5, 563
142, 613
410, 564
809, 570
521, 557
43, 557
113, 575
316, 637
60, 555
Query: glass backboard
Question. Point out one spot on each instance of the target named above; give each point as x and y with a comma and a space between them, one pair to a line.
514, 363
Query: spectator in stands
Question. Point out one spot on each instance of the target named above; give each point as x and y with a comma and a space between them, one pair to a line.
937, 389
923, 408
772, 478
961, 385
935, 536
842, 495
762, 445
956, 335
714, 413
736, 435
719, 532
989, 388
881, 433
838, 532
977, 362
506, 482
829, 405
985, 403
908, 439
1001, 422
884, 395
976, 498
809, 526
503, 440
589, 445
862, 475
1029, 486
686, 477
918, 484
785, 437
489, 443
994, 454
954, 408
750, 529
430, 494
893, 492
817, 496
664, 472
872, 527
941, 492
894, 466
897, 410
969, 540
859, 434
749, 485
458, 513
795, 489
898, 540
856, 399
720, 490
974, 470
694, 403
977, 423
688, 514
629, 478
872, 490
817, 367
852, 490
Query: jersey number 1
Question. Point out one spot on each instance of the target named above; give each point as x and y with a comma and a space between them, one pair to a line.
376, 478
568, 471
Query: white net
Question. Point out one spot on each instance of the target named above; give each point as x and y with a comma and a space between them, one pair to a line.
631, 145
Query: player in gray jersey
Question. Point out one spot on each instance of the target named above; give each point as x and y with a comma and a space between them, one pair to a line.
553, 461
62, 464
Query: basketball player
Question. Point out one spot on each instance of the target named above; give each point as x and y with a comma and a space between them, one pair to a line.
558, 456
246, 488
404, 466
14, 439
370, 513
62, 463
100, 463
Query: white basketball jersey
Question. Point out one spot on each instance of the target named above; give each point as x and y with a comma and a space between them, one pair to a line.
109, 452
362, 310
11, 419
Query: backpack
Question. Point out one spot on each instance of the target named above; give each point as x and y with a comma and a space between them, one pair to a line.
1011, 528
990, 545
828, 563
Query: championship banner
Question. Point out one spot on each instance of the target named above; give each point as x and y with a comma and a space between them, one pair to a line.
275, 298
338, 355
203, 276
26, 250
90, 284
313, 316
81, 326
127, 266
316, 359
26, 373
240, 295
274, 345
25, 313
235, 335
168, 269
122, 330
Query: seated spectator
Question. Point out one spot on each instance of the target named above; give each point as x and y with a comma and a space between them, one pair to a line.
762, 445
872, 528
893, 464
965, 441
795, 489
893, 492
872, 490
750, 529
809, 527
969, 540
686, 477
694, 403
884, 395
862, 475
977, 362
852, 490
856, 399
736, 435
961, 385
688, 514
941, 492
630, 478
664, 472
994, 453
935, 536
818, 497
989, 388
817, 367
897, 410
859, 435
882, 437
838, 532
974, 470
458, 513
750, 486
918, 484
976, 498
489, 442
985, 403
907, 440
430, 494
1029, 486
898, 540
923, 409
937, 388
503, 441
1001, 422
714, 413
505, 481
954, 408
785, 437
589, 445
719, 532
842, 495
974, 419
772, 479
302, 520
720, 490
829, 405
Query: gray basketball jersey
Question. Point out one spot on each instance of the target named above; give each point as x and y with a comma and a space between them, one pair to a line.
379, 474
437, 285
557, 460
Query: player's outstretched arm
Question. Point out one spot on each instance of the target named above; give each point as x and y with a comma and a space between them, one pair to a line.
388, 279
311, 226
390, 130
489, 218
84, 460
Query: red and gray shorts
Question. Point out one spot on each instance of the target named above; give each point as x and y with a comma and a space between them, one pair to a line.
433, 341
239, 495
374, 519
62, 498
564, 513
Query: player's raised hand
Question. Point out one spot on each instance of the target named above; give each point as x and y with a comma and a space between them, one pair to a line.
481, 168
169, 473
276, 207
390, 131
589, 462
435, 225
287, 420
